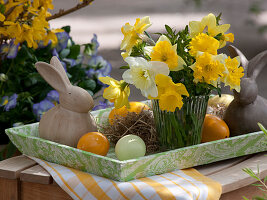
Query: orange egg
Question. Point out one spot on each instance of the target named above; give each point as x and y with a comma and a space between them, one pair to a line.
214, 128
94, 142
136, 107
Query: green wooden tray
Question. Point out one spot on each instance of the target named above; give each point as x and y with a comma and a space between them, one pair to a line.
26, 138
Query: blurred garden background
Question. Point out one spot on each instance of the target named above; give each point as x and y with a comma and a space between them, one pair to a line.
248, 19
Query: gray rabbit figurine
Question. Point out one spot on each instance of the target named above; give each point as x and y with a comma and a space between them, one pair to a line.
68, 121
247, 108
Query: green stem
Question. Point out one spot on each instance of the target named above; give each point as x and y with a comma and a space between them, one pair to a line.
2, 82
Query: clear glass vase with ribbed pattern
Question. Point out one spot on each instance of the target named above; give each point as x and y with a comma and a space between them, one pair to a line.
182, 127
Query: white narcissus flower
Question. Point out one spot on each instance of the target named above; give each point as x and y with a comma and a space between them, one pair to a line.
142, 74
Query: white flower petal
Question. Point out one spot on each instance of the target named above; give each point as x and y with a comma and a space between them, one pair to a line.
131, 61
163, 38
159, 67
127, 76
148, 50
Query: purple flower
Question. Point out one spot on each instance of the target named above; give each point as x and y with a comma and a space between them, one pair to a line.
70, 61
62, 38
103, 67
53, 96
40, 108
9, 102
95, 45
103, 105
9, 50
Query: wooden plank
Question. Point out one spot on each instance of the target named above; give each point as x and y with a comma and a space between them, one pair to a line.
221, 165
36, 174
9, 189
36, 191
234, 178
11, 168
248, 191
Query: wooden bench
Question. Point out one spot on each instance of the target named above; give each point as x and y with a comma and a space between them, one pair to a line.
23, 179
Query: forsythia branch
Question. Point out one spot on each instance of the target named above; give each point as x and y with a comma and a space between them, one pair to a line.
65, 12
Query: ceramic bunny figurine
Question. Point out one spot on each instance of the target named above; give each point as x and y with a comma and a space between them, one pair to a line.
68, 121
247, 108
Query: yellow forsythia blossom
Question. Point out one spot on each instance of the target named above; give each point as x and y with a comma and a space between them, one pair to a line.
117, 92
208, 68
25, 20
203, 43
130, 33
235, 73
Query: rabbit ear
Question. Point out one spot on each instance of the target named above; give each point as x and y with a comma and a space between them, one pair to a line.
236, 52
52, 76
57, 64
256, 64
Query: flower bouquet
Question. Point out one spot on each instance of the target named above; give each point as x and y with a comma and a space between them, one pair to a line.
177, 72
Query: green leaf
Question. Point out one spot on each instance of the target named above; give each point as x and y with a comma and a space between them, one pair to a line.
88, 49
64, 53
125, 67
2, 8
168, 29
74, 51
218, 18
262, 128
265, 179
66, 29
90, 92
245, 198
88, 84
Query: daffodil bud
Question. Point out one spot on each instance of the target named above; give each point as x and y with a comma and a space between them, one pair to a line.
3, 77
146, 39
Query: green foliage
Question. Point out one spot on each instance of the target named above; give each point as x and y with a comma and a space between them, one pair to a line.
263, 184
24, 80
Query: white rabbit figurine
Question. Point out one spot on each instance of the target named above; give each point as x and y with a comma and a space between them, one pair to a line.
68, 121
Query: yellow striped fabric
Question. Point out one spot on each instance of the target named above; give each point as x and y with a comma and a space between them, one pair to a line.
186, 184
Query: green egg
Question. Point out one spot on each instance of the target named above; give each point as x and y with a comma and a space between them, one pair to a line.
130, 147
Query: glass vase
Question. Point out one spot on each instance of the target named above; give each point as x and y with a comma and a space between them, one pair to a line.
182, 127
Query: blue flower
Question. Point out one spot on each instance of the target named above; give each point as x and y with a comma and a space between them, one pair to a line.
40, 108
53, 96
70, 61
102, 105
9, 50
95, 44
103, 67
9, 102
62, 38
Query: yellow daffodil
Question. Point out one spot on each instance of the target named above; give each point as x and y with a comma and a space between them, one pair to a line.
208, 68
117, 92
235, 73
165, 52
130, 33
208, 24
142, 74
170, 94
203, 43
